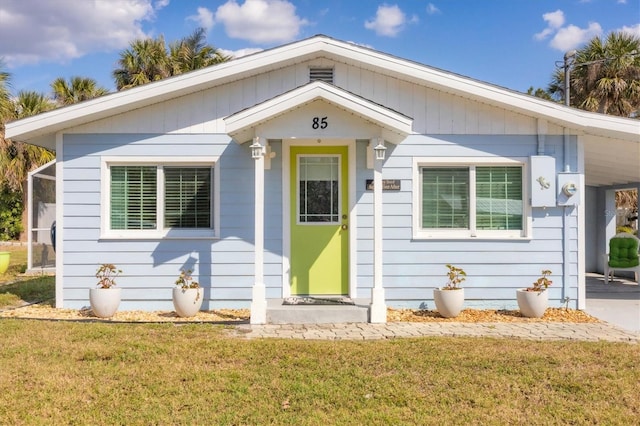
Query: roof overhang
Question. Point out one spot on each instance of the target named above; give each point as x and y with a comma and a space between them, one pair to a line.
392, 126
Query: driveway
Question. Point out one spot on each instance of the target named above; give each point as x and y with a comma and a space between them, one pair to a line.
617, 303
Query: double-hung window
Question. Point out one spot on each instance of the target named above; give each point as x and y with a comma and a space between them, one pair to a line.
458, 199
159, 199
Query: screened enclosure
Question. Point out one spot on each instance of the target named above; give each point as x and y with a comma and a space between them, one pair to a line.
41, 218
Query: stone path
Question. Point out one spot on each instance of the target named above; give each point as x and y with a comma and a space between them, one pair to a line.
532, 331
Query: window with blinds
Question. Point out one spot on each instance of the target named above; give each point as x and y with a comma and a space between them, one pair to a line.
187, 194
445, 198
135, 203
133, 197
497, 198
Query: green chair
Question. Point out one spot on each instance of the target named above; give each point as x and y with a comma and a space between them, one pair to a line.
623, 256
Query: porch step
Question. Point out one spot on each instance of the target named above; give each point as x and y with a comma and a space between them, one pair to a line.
277, 313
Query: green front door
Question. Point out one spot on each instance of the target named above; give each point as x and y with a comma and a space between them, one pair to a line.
319, 221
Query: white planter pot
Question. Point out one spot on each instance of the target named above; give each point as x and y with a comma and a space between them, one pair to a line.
187, 302
104, 301
448, 302
532, 304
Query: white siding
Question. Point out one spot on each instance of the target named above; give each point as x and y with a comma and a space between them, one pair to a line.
433, 112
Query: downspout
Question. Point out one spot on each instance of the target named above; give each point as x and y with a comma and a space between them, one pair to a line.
565, 221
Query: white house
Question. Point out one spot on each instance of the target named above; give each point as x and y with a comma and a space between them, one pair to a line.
260, 174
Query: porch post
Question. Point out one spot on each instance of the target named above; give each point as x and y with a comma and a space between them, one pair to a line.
378, 307
258, 293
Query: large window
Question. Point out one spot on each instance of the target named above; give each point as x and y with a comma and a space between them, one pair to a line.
159, 200
471, 200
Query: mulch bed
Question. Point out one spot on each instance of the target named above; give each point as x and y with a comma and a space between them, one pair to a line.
45, 311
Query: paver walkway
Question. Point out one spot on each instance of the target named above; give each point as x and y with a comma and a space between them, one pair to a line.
533, 331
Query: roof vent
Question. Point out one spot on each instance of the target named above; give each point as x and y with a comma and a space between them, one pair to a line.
322, 74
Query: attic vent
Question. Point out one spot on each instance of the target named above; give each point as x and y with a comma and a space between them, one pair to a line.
322, 74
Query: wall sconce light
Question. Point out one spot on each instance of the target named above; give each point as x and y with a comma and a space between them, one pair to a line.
257, 150
380, 150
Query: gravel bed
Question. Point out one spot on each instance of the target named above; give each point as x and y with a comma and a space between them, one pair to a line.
46, 311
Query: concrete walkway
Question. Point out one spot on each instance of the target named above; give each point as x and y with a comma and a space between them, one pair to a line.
533, 331
616, 304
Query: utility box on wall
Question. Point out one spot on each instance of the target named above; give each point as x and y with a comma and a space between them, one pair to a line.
569, 189
543, 181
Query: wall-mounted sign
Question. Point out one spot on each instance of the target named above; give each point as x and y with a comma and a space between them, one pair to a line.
387, 184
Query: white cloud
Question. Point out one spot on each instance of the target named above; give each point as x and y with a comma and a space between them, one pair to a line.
204, 18
554, 21
570, 37
389, 21
61, 30
260, 21
566, 37
633, 30
432, 9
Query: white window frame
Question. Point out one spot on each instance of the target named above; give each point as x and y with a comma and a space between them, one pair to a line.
161, 232
297, 195
472, 232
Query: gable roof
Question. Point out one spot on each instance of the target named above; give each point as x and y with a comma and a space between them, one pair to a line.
395, 126
41, 129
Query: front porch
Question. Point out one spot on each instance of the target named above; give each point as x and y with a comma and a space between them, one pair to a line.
278, 313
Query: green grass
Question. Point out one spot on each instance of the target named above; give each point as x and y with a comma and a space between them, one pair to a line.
17, 289
138, 374
97, 373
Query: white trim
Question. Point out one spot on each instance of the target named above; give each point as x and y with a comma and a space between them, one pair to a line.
42, 127
30, 229
582, 289
286, 215
59, 220
258, 291
331, 223
378, 307
471, 233
160, 233
241, 125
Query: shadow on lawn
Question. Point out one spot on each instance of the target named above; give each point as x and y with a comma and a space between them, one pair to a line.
26, 291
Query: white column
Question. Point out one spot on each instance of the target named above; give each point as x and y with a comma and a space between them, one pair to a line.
258, 294
378, 306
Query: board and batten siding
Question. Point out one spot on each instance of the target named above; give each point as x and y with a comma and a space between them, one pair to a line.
433, 112
224, 266
495, 267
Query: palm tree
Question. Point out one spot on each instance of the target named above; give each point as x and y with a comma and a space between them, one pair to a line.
30, 103
77, 89
192, 53
17, 159
148, 60
605, 76
5, 97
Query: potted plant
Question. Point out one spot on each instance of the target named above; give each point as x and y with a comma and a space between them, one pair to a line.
450, 298
533, 300
187, 295
105, 298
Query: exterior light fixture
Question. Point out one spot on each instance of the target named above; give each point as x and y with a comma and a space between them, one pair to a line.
380, 150
256, 150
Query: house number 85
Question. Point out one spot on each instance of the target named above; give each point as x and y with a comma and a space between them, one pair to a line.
319, 123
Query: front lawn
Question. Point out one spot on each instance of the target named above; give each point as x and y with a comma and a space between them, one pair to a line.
100, 373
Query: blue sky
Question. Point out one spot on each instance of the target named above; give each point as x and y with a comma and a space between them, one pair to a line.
511, 43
